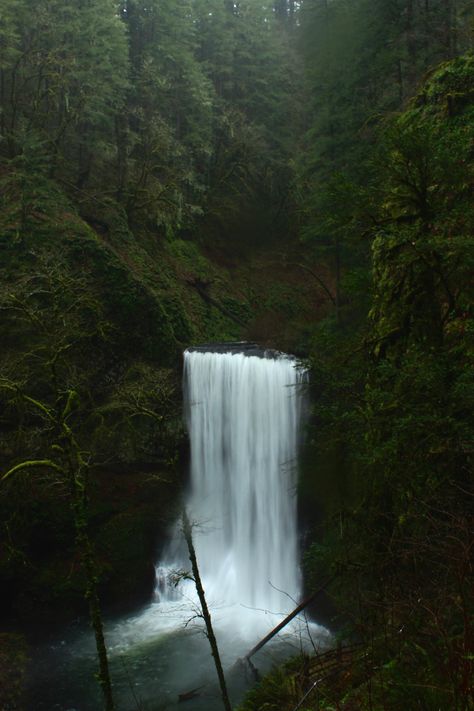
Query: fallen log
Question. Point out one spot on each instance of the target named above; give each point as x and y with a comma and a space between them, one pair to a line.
288, 619
188, 695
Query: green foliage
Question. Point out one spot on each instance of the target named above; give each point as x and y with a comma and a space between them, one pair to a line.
64, 66
280, 690
75, 317
364, 60
393, 426
151, 104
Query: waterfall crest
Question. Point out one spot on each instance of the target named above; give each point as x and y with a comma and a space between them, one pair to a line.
243, 414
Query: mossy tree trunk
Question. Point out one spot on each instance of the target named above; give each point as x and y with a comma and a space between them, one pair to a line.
71, 467
77, 473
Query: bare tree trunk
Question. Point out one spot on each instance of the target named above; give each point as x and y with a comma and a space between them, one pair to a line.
187, 531
77, 474
121, 146
2, 102
337, 255
85, 551
411, 45
400, 81
451, 29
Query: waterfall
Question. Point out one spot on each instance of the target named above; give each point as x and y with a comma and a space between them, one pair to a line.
243, 414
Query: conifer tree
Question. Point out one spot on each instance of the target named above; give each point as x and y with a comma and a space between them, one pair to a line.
63, 74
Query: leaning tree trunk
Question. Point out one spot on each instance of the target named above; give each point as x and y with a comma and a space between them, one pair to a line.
187, 531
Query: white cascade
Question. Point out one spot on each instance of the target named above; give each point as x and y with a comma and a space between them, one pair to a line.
243, 417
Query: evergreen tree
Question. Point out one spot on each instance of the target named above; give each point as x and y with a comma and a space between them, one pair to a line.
363, 61
64, 71
258, 111
169, 113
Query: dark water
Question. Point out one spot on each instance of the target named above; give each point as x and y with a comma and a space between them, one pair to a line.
150, 668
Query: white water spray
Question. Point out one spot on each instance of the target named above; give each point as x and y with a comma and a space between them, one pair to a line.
243, 415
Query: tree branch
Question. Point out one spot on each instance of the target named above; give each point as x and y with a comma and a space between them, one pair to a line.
32, 464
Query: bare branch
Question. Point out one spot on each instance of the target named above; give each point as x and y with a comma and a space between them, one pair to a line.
32, 464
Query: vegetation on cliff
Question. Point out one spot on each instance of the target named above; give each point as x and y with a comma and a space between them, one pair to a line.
391, 457
144, 167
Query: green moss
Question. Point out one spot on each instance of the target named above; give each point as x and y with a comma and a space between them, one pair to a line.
188, 255
238, 309
183, 330
449, 91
